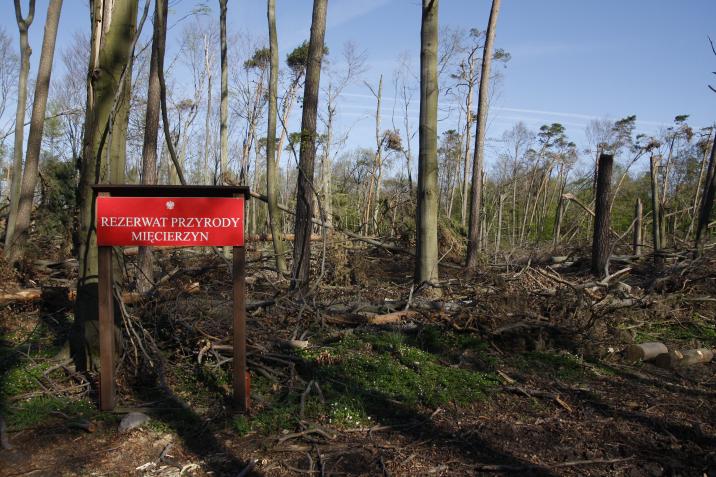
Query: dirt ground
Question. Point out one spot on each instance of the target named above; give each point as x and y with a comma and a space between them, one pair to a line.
558, 398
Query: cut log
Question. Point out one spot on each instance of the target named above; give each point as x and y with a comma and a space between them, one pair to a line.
21, 296
53, 294
644, 351
668, 360
696, 356
391, 317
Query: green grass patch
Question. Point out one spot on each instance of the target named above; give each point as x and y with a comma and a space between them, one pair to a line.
565, 366
363, 377
22, 379
379, 366
38, 409
694, 330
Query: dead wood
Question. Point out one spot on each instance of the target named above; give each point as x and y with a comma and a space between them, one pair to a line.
644, 351
391, 317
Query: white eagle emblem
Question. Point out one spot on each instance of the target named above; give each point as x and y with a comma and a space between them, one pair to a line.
170, 205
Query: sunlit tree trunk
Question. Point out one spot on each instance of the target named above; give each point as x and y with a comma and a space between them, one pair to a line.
151, 132
305, 187
468, 138
638, 218
655, 204
204, 174
600, 239
113, 28
707, 202
23, 25
426, 257
271, 162
224, 105
473, 243
34, 139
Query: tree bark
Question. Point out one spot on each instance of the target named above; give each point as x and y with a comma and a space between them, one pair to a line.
224, 106
638, 219
600, 239
473, 242
271, 163
378, 158
426, 261
707, 201
151, 132
23, 25
204, 175
113, 28
468, 138
34, 139
300, 273
655, 204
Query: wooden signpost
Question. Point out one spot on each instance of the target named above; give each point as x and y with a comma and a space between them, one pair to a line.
156, 216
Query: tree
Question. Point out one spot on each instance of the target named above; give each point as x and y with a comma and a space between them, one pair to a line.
112, 43
602, 212
305, 187
151, 131
34, 139
707, 201
473, 245
224, 106
271, 163
23, 25
426, 260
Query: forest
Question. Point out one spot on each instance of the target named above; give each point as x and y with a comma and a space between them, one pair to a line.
426, 293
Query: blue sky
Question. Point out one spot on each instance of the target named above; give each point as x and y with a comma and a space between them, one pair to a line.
572, 60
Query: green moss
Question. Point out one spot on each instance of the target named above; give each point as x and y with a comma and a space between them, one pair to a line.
382, 366
562, 366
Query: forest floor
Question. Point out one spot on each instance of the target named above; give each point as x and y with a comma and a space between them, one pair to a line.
516, 369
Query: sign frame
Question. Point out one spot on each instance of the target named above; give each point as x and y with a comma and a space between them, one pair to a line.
241, 386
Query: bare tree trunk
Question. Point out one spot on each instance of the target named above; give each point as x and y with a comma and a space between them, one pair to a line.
151, 132
34, 139
271, 162
473, 242
110, 54
638, 218
558, 222
498, 238
224, 105
378, 167
468, 138
326, 165
305, 188
23, 25
426, 260
207, 120
697, 194
655, 204
600, 240
707, 201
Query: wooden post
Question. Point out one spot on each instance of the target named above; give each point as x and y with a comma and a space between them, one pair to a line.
106, 328
600, 239
240, 380
655, 205
638, 215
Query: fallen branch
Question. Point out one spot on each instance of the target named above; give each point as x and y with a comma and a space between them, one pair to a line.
391, 317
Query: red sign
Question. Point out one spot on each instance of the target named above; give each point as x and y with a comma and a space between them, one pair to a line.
170, 221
